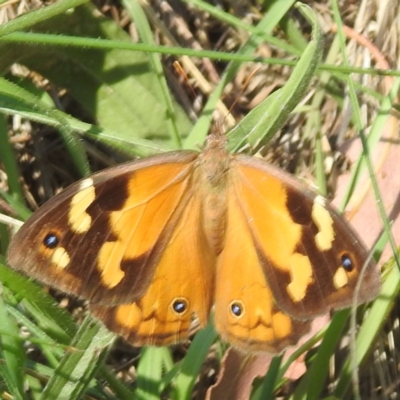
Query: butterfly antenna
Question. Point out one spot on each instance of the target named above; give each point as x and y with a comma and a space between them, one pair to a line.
219, 123
181, 72
246, 83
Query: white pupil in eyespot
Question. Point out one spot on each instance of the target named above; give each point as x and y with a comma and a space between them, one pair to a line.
179, 306
50, 241
347, 264
236, 309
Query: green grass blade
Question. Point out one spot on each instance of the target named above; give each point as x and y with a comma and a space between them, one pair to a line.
192, 363
77, 368
370, 328
12, 353
150, 371
262, 122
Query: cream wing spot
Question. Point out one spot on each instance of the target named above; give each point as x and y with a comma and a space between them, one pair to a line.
340, 278
78, 219
111, 272
323, 220
60, 258
301, 274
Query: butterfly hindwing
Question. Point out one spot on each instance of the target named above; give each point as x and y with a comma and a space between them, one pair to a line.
246, 313
180, 295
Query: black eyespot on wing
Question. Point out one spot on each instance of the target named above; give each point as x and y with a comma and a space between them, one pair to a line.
347, 262
237, 308
180, 306
51, 240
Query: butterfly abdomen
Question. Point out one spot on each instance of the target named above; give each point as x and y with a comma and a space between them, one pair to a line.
212, 177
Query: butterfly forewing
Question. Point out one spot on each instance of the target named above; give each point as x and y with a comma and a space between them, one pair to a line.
102, 237
310, 256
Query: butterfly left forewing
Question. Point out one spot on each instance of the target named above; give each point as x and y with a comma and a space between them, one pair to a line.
311, 258
180, 295
102, 237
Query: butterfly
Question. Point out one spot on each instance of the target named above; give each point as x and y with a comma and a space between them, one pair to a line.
158, 244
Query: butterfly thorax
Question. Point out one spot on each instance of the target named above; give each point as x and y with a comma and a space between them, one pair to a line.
213, 167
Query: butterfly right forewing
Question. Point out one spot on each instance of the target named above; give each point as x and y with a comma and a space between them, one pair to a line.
310, 256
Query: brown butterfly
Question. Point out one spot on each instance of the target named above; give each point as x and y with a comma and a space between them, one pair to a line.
156, 244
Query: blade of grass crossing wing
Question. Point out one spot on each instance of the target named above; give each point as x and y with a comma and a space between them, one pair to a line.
364, 342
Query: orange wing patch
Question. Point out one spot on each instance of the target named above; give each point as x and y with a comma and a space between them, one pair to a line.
180, 295
264, 200
138, 225
245, 312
